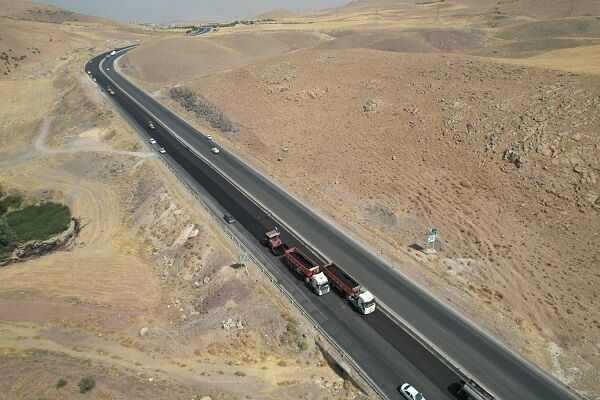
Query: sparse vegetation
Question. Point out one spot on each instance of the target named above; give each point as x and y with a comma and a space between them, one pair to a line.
86, 384
196, 103
61, 383
291, 336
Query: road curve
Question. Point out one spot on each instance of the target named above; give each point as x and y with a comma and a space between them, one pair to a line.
489, 362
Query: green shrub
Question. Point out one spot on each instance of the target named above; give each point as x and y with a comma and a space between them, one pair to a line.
13, 201
8, 238
39, 222
3, 208
86, 384
291, 332
61, 383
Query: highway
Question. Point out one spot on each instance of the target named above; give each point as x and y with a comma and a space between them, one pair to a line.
201, 30
384, 351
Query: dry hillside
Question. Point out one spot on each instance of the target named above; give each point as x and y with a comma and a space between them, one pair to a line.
148, 302
278, 14
447, 118
39, 12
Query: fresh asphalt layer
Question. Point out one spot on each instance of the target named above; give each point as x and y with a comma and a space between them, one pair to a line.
388, 354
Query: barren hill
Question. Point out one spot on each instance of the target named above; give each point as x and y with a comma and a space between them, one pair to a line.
530, 8
180, 59
280, 13
39, 12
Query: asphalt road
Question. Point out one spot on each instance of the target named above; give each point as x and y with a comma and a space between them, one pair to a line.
200, 31
383, 350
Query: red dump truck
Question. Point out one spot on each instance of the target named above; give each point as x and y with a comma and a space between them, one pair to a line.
308, 269
358, 296
273, 242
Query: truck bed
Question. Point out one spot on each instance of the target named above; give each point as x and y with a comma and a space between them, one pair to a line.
341, 275
302, 259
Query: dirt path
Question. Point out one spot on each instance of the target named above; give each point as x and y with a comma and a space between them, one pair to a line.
203, 371
82, 143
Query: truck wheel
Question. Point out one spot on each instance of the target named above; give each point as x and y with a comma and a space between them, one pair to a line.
306, 280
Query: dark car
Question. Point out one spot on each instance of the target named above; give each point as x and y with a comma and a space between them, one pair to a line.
229, 218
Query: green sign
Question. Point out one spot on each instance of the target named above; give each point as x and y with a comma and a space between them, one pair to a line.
431, 234
243, 257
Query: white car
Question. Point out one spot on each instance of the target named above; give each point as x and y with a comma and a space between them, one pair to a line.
162, 150
215, 150
94, 79
410, 392
108, 69
209, 137
152, 141
89, 72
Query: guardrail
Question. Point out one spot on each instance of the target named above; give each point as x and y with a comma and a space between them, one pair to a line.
275, 281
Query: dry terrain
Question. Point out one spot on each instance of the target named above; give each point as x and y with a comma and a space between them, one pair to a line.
149, 301
480, 118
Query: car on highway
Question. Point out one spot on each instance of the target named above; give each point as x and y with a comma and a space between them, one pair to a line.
162, 150
94, 79
108, 69
152, 141
208, 137
229, 218
151, 125
215, 150
410, 392
89, 72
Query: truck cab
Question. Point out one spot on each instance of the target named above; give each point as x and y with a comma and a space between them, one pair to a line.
366, 302
319, 284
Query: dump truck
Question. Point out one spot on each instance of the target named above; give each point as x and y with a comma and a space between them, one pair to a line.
273, 242
354, 292
307, 269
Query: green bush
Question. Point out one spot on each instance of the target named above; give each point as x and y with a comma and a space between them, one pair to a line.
86, 384
39, 222
12, 201
61, 383
8, 238
3, 208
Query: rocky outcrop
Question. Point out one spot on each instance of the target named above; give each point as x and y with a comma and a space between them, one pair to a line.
36, 248
197, 104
